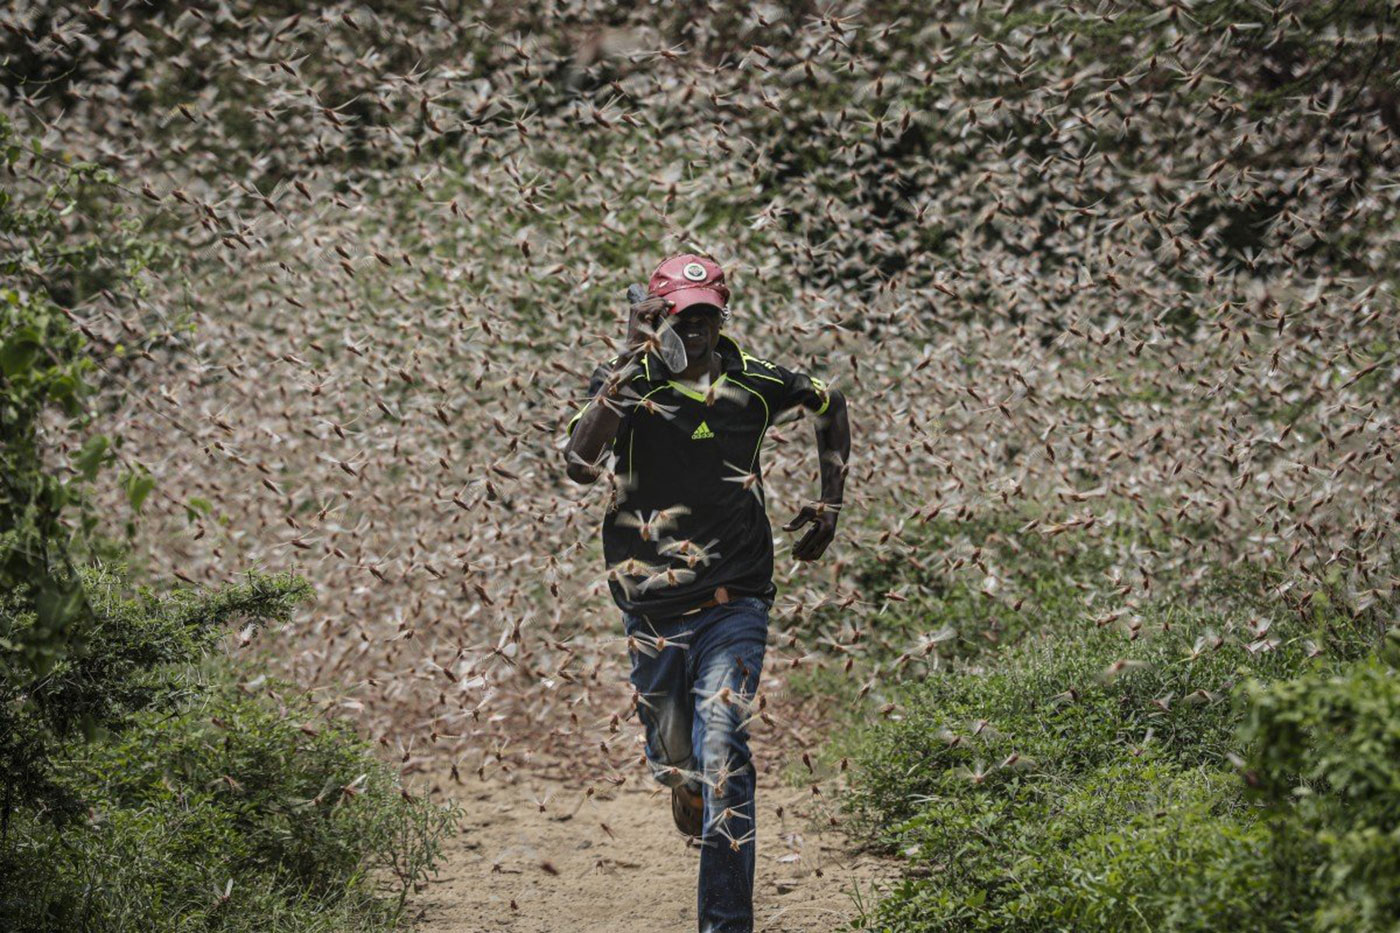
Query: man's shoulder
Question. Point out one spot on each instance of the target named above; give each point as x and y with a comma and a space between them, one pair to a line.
737, 357
761, 367
635, 372
753, 360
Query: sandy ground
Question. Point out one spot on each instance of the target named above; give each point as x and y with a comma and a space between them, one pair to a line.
614, 861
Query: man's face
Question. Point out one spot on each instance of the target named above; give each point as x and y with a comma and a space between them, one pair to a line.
698, 328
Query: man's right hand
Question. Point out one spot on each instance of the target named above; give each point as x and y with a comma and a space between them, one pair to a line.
599, 423
644, 317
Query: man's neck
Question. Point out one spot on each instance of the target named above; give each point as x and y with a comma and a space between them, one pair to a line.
695, 371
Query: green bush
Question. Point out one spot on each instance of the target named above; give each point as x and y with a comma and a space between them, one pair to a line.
1325, 755
1139, 844
193, 782
133, 657
1084, 777
311, 830
140, 788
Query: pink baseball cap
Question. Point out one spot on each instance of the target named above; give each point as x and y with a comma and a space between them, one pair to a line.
689, 279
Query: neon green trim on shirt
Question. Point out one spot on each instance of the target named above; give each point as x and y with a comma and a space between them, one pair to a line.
690, 393
758, 375
826, 396
766, 419
574, 420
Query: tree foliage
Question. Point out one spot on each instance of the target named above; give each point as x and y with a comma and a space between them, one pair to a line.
119, 808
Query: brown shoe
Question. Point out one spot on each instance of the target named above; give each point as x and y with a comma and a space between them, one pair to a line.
688, 810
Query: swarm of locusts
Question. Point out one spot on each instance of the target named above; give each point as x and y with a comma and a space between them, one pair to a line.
1112, 268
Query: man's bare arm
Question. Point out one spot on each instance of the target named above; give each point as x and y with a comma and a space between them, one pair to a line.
834, 448
834, 452
598, 425
594, 431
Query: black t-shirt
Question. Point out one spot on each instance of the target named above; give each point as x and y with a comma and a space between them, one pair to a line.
697, 465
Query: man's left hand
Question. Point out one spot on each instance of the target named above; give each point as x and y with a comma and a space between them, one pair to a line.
814, 543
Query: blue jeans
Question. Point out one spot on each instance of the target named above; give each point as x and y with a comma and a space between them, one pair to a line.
697, 679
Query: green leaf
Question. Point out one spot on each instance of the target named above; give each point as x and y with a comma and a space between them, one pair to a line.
89, 459
138, 487
197, 507
17, 356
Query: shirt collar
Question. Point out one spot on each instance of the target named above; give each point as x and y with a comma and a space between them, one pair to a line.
731, 360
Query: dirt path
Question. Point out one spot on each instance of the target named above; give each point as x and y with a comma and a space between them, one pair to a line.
614, 861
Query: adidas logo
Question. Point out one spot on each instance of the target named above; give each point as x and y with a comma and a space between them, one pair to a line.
702, 432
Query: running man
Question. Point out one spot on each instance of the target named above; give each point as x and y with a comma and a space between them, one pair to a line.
689, 551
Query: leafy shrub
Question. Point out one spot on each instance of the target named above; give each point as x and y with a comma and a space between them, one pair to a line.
1325, 754
69, 239
57, 677
1080, 778
135, 795
194, 785
1138, 844
242, 812
133, 658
